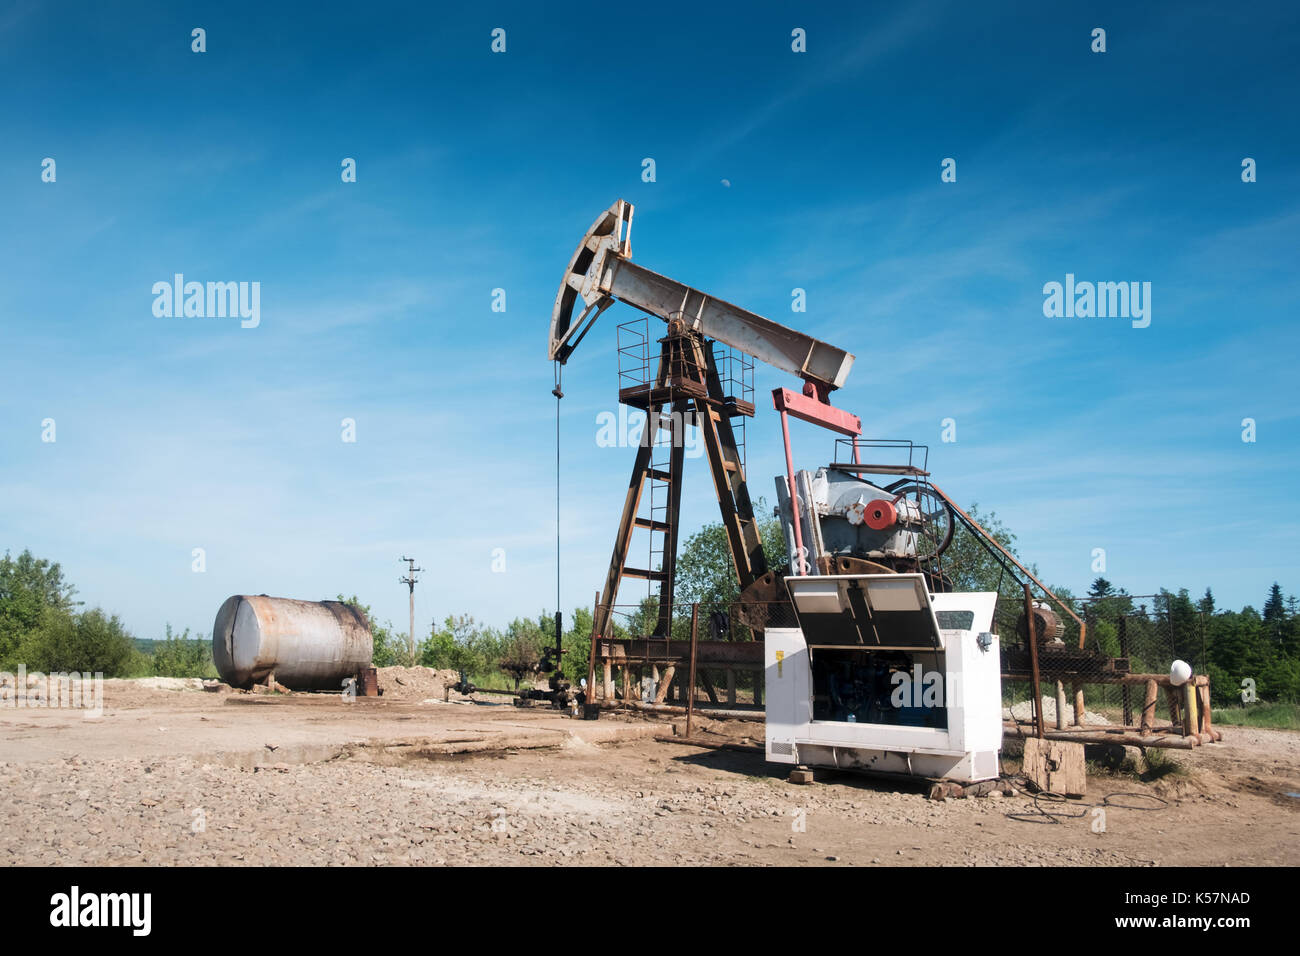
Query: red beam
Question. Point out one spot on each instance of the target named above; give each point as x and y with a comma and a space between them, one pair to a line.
818, 413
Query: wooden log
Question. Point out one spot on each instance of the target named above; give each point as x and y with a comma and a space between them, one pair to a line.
1161, 679
1079, 709
709, 744
609, 680
708, 687
1109, 728
1169, 741
1203, 691
709, 712
1060, 705
1171, 698
665, 682
1149, 707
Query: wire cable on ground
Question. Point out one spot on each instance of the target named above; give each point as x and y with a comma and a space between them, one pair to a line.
1045, 798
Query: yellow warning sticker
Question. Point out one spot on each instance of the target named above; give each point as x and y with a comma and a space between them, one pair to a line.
780, 658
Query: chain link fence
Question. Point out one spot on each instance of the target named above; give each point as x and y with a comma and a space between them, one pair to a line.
1122, 636
728, 663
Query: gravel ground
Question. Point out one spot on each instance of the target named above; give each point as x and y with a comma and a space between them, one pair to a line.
350, 811
119, 792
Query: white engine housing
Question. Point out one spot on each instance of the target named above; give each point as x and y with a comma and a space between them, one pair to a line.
963, 663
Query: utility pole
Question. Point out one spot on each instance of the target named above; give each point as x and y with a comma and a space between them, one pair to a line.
410, 581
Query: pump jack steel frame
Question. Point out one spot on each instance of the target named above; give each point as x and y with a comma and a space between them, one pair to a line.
687, 383
688, 386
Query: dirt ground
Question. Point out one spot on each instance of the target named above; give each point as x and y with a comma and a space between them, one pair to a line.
190, 776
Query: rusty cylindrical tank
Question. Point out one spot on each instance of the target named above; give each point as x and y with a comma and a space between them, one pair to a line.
308, 645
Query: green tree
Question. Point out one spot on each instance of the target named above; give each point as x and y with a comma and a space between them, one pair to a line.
177, 655
968, 563
29, 588
1181, 624
1275, 615
577, 644
462, 645
1236, 650
644, 619
706, 573
1103, 608
525, 640
1291, 641
91, 642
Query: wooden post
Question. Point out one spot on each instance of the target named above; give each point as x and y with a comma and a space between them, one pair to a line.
1204, 691
627, 682
609, 679
1079, 709
664, 682
1149, 707
1189, 709
708, 687
690, 694
1060, 705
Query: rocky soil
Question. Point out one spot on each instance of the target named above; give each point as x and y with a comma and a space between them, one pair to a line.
548, 796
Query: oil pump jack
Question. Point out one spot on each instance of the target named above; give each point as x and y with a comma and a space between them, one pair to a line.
870, 658
686, 389
856, 605
834, 521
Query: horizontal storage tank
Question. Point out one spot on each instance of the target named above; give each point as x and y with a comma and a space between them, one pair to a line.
308, 645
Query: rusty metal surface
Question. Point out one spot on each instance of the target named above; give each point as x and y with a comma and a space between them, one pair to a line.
306, 645
683, 355
600, 272
654, 651
368, 682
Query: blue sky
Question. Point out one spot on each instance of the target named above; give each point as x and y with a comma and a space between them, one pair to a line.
479, 171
